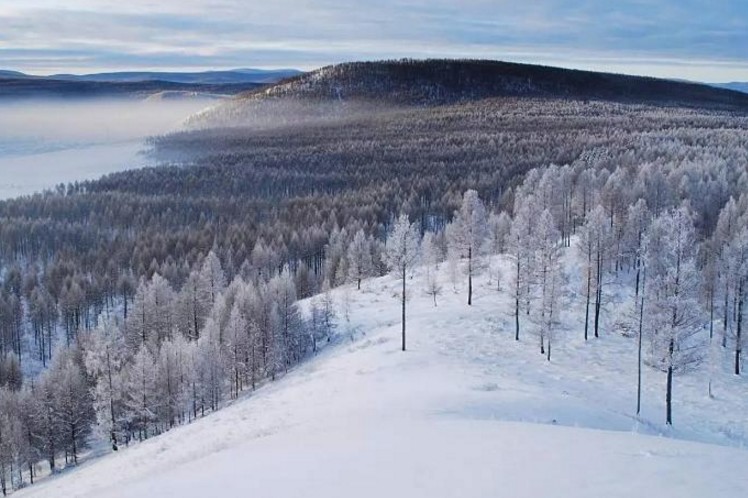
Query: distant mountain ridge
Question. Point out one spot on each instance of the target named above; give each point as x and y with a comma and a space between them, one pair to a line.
203, 77
439, 82
27, 88
738, 86
243, 75
137, 84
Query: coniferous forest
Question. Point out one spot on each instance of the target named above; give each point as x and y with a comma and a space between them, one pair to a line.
152, 297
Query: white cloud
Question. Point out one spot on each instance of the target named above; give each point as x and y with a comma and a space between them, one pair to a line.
105, 34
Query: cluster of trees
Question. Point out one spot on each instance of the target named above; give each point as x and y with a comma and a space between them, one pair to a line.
171, 357
166, 290
688, 278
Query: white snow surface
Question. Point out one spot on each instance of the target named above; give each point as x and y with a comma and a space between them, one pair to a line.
465, 412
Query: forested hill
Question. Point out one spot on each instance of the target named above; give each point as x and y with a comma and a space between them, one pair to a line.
436, 82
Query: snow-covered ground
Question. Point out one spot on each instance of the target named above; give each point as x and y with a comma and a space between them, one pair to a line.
465, 412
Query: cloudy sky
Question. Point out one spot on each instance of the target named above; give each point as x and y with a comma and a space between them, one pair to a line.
695, 39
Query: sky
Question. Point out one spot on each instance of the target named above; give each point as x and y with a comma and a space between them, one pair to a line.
704, 40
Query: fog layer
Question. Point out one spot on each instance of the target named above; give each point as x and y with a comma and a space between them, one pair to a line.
44, 143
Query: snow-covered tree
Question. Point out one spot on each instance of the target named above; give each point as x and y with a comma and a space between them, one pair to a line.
141, 393
736, 253
212, 278
468, 233
360, 264
673, 311
72, 405
595, 243
402, 254
548, 274
431, 257
105, 355
521, 246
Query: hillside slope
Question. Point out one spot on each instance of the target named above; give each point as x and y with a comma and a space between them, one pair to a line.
466, 411
360, 87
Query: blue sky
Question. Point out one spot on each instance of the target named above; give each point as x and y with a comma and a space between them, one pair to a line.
694, 39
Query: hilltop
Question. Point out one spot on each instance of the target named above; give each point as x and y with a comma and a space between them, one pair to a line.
361, 87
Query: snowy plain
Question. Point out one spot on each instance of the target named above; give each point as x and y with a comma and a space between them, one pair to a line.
465, 412
44, 142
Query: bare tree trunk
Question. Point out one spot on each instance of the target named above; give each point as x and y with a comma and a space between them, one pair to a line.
403, 303
587, 306
639, 354
739, 330
669, 393
516, 303
470, 276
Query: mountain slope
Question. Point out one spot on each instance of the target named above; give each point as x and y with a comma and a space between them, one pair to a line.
359, 86
466, 411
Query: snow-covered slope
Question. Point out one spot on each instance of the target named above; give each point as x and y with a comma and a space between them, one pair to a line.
465, 412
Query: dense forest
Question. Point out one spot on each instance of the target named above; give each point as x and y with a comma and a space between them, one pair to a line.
148, 298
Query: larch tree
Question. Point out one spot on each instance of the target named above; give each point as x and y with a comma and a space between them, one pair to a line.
402, 254
549, 277
141, 392
360, 264
595, 244
431, 257
737, 253
673, 311
105, 357
72, 403
212, 278
520, 244
468, 233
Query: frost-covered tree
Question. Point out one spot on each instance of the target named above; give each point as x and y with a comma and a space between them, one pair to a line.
212, 279
637, 221
210, 369
402, 254
290, 325
105, 356
521, 246
431, 257
71, 402
11, 373
172, 381
360, 264
141, 393
548, 274
736, 253
467, 234
673, 311
595, 241
499, 226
